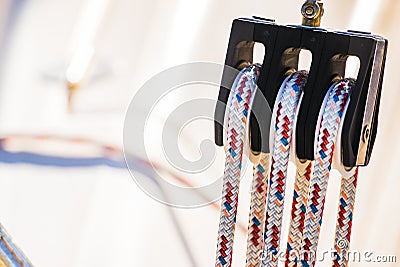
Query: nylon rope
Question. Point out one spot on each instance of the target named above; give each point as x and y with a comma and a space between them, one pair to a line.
257, 211
345, 219
10, 254
292, 88
329, 127
241, 96
298, 213
309, 192
284, 111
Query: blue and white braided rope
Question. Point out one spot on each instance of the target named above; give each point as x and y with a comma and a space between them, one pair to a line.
284, 117
239, 106
298, 214
345, 219
333, 111
10, 254
257, 211
306, 214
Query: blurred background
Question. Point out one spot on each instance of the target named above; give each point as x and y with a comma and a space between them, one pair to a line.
68, 70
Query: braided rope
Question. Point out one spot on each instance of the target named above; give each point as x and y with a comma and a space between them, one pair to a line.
300, 194
257, 211
242, 96
345, 220
285, 114
10, 254
333, 112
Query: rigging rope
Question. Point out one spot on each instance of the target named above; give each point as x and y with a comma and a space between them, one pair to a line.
257, 211
10, 254
333, 111
291, 88
284, 117
238, 109
267, 195
345, 219
298, 214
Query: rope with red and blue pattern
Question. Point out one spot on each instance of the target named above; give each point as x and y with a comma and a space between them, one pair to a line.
257, 211
260, 187
298, 214
285, 112
242, 96
331, 118
345, 219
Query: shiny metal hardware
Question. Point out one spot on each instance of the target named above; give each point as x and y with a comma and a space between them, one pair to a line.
312, 11
371, 110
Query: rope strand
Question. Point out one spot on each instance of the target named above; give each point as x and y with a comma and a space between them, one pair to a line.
267, 196
10, 254
257, 211
331, 118
296, 228
285, 114
242, 96
345, 220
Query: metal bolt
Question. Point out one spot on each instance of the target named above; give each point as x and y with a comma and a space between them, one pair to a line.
366, 133
310, 10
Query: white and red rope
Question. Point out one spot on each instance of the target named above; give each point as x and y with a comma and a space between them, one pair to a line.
267, 196
258, 198
284, 118
345, 219
238, 111
298, 214
333, 111
242, 95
